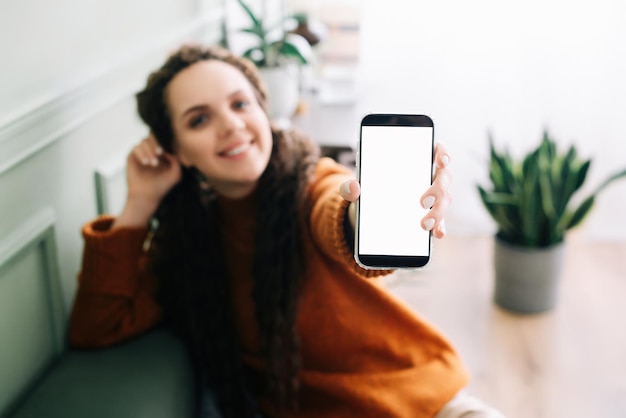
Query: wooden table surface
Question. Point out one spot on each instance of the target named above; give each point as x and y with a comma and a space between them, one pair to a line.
567, 363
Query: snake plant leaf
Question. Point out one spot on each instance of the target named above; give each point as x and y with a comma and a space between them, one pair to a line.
570, 180
571, 155
544, 148
565, 175
555, 173
548, 147
530, 208
610, 180
502, 171
508, 173
495, 174
499, 206
585, 207
582, 175
580, 213
546, 190
499, 198
528, 163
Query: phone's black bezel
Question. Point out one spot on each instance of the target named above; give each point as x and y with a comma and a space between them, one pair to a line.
375, 261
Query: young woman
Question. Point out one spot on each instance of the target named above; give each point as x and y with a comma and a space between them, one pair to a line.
251, 263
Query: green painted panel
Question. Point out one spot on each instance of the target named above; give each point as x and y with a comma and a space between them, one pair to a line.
26, 324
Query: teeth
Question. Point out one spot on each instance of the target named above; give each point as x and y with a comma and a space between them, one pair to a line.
238, 150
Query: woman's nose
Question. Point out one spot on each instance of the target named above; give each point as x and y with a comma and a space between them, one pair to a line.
230, 121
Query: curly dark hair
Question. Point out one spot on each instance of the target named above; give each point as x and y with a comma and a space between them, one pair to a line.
194, 282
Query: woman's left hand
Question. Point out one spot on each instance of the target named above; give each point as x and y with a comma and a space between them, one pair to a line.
437, 198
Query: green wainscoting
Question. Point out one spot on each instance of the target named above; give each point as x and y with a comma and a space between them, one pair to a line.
31, 310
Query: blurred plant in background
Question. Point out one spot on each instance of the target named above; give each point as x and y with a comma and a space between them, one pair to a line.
530, 199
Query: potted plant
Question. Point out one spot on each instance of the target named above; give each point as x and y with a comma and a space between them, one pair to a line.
277, 53
530, 201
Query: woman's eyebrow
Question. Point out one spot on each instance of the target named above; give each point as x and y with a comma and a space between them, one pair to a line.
206, 107
193, 109
236, 93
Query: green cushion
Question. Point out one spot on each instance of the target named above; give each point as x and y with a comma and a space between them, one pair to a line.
149, 376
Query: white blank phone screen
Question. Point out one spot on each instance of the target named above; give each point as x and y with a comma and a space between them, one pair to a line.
395, 170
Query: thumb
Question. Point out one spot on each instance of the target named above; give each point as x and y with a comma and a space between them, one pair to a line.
350, 190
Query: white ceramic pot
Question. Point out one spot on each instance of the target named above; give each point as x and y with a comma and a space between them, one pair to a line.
283, 89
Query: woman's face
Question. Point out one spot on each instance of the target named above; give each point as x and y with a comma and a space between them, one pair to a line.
219, 126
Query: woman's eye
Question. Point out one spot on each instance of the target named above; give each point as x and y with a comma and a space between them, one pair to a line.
197, 121
240, 104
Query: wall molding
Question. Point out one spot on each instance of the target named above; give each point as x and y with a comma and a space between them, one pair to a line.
29, 132
29, 232
35, 237
38, 231
106, 177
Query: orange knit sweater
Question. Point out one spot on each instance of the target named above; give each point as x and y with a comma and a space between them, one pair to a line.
364, 353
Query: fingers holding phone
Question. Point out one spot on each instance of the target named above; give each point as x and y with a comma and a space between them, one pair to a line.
350, 191
438, 198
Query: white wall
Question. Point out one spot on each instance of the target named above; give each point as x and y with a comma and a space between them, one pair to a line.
70, 69
52, 47
512, 68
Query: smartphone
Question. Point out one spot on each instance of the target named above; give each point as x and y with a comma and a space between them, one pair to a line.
394, 168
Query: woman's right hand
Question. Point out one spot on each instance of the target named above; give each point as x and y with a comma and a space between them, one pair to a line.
150, 174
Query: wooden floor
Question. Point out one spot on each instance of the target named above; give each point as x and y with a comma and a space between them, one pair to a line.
568, 363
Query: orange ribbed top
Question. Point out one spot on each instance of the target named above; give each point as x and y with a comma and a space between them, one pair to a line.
364, 353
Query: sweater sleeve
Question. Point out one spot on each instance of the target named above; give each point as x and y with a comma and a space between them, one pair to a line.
328, 216
115, 299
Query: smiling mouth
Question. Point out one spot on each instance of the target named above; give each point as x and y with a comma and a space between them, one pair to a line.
238, 150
